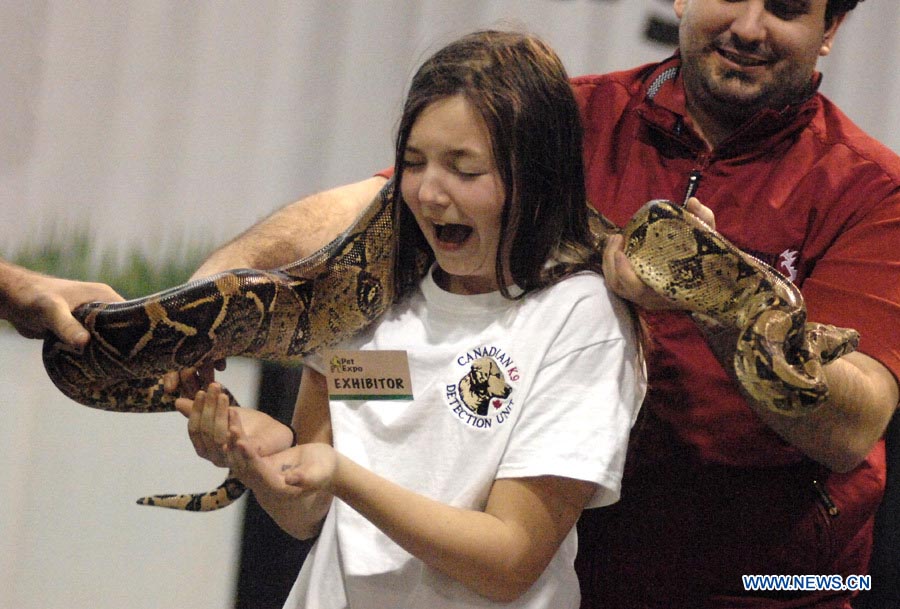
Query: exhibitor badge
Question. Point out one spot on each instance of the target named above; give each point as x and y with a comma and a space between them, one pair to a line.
368, 375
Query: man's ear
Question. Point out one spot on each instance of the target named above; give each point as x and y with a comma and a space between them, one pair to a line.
830, 33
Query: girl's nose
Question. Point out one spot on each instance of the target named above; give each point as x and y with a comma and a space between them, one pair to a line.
432, 190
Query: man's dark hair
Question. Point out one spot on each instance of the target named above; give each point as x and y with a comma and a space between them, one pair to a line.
836, 8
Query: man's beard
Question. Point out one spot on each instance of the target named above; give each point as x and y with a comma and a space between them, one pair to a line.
719, 93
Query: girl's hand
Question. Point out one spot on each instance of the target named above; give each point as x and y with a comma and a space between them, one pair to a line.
208, 426
299, 510
311, 467
293, 472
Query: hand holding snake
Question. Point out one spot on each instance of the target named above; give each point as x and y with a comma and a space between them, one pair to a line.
620, 276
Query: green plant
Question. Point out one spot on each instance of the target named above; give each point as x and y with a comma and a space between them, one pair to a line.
132, 275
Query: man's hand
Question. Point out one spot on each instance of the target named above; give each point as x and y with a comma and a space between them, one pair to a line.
620, 275
36, 304
189, 381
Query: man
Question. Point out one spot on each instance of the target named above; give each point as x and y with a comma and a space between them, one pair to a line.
36, 304
717, 487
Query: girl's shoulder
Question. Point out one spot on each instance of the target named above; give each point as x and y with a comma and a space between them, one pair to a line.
586, 285
584, 307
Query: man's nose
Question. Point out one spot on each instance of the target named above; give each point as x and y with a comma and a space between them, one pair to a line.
749, 25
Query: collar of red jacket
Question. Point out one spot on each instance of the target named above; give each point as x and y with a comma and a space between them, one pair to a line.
663, 108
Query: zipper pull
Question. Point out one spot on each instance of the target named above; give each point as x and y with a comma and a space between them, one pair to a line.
830, 507
693, 184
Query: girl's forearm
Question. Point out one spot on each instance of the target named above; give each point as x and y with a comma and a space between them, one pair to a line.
494, 555
300, 517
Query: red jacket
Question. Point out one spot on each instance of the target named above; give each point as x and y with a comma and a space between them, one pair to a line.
710, 492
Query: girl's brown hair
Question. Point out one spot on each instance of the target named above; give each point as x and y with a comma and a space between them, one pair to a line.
520, 88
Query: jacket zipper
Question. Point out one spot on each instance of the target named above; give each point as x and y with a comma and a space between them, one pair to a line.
829, 505
703, 160
693, 185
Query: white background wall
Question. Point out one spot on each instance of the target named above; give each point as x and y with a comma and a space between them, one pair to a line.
71, 534
156, 123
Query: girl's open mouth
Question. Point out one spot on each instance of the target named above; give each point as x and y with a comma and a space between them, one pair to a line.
452, 233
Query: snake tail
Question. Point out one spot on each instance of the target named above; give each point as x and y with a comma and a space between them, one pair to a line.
222, 496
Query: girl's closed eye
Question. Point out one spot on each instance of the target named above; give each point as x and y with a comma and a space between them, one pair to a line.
468, 172
413, 162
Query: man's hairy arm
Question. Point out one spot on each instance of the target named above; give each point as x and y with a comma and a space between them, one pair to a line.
863, 396
295, 230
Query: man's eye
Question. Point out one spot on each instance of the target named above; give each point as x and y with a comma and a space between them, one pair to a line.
788, 9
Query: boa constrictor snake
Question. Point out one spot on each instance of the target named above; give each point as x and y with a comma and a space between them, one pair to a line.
772, 352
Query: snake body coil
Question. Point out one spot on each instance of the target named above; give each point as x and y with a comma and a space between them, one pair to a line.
284, 314
773, 352
280, 315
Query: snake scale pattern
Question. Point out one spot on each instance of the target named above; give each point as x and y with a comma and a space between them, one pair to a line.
773, 353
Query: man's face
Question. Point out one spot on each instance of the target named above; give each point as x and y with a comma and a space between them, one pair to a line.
741, 56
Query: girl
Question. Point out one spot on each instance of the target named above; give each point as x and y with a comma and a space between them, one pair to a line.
525, 371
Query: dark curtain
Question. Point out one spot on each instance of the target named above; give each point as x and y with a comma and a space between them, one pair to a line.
885, 564
270, 558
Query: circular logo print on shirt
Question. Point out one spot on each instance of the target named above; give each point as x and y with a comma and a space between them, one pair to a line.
480, 393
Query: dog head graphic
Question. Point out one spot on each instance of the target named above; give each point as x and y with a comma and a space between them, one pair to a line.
482, 382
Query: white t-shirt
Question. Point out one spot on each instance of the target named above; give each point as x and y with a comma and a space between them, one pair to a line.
546, 385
